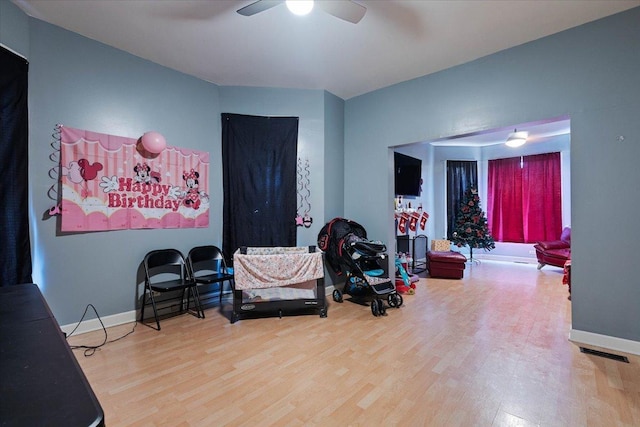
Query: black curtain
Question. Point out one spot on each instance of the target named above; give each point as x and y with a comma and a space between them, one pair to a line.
15, 256
259, 158
461, 174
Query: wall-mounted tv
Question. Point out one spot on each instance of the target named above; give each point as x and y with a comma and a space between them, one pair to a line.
408, 175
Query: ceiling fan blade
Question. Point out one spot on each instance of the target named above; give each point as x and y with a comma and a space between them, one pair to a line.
347, 10
258, 6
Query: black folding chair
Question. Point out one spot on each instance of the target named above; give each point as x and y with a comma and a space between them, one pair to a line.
166, 271
207, 265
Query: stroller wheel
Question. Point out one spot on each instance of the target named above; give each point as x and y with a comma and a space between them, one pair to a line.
391, 299
378, 308
381, 308
337, 295
374, 308
394, 300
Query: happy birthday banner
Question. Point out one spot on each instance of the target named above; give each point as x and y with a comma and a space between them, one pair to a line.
112, 183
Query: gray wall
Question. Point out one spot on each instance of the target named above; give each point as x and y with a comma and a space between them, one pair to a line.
308, 105
80, 83
590, 74
84, 84
333, 157
14, 28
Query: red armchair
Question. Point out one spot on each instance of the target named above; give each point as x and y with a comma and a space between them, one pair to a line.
555, 252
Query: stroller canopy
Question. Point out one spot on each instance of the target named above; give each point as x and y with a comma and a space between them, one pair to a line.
339, 238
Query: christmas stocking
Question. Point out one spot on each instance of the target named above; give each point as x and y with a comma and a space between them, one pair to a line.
413, 221
402, 224
423, 220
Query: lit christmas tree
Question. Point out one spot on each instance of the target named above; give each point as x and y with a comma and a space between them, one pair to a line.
471, 225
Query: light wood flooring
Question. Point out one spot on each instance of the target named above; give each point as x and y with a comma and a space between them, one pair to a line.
491, 349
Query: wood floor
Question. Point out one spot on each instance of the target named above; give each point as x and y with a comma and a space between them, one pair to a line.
488, 350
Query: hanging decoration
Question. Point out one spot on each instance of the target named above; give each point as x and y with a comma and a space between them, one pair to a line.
423, 220
109, 183
303, 218
54, 173
414, 217
409, 219
402, 218
153, 142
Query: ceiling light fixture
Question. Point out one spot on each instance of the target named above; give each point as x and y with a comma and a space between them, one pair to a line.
517, 139
300, 7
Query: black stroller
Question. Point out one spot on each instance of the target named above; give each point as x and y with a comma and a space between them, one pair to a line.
363, 263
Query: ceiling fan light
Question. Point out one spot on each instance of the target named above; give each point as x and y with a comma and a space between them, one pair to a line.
300, 7
517, 139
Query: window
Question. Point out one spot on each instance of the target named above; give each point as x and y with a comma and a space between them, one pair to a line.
461, 175
524, 198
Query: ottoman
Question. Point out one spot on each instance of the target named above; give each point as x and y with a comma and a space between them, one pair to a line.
446, 265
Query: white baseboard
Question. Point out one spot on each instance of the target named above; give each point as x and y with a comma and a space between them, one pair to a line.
605, 341
504, 258
122, 318
94, 324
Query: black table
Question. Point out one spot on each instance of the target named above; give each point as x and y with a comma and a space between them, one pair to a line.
41, 382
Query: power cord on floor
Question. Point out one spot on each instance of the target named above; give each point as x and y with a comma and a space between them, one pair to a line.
89, 350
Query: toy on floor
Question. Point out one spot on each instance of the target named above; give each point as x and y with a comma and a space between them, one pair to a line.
404, 285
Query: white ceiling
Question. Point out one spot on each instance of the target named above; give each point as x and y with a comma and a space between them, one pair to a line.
539, 132
394, 42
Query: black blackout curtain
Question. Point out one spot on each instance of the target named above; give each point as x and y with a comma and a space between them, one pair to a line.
259, 158
15, 249
461, 174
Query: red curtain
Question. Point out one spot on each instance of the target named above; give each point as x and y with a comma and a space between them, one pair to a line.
504, 200
524, 198
542, 198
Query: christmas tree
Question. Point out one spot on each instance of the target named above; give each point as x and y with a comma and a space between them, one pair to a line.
471, 228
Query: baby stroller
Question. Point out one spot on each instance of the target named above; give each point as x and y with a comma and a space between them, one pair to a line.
361, 261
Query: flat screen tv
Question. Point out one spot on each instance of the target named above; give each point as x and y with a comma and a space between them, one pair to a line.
408, 175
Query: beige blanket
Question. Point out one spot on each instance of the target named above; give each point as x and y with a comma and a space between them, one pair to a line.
268, 271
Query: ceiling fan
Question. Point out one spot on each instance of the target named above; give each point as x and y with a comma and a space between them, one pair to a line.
347, 10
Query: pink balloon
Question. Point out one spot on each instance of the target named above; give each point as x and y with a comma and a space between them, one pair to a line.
153, 142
